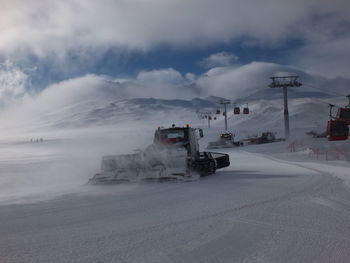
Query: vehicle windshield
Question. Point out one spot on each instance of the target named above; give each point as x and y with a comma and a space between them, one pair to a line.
226, 135
345, 114
172, 136
339, 129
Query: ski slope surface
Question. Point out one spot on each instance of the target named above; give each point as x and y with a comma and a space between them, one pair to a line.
270, 205
259, 209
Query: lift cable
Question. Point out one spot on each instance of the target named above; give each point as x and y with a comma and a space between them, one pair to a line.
325, 102
335, 92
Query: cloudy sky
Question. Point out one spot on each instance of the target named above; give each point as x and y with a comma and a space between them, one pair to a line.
169, 48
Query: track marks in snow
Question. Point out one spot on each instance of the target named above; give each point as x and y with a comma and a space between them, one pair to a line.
257, 210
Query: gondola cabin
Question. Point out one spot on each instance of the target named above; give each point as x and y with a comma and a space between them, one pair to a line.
217, 111
236, 110
337, 130
226, 136
246, 109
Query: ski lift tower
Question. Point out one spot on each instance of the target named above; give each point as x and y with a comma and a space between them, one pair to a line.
225, 102
285, 82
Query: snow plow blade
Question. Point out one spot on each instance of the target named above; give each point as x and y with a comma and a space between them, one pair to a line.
103, 178
166, 166
222, 159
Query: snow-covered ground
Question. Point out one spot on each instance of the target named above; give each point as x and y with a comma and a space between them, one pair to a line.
260, 209
314, 153
270, 205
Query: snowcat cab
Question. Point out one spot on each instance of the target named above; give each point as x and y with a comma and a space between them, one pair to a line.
226, 140
268, 137
343, 114
174, 155
170, 136
179, 137
337, 130
226, 136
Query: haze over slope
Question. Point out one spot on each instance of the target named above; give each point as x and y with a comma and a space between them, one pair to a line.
103, 107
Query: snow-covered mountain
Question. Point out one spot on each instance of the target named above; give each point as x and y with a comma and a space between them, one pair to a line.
91, 111
128, 110
265, 115
308, 111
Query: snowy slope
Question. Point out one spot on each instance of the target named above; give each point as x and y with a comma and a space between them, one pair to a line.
83, 131
257, 210
270, 205
307, 113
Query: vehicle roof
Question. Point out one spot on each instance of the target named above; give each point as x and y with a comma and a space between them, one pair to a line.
173, 128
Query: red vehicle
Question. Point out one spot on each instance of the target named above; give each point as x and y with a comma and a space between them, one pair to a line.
337, 130
338, 127
344, 115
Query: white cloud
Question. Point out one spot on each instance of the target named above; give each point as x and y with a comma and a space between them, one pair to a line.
13, 83
330, 58
237, 82
78, 90
163, 83
43, 27
160, 77
91, 90
190, 77
241, 81
87, 28
85, 93
230, 82
221, 59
